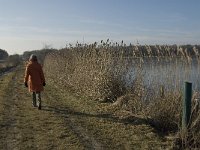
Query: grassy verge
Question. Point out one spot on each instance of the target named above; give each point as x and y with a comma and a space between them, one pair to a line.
145, 80
108, 129
23, 127
68, 121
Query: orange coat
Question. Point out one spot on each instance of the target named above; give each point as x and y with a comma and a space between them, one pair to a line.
34, 76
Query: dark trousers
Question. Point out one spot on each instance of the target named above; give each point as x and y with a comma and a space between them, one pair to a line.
36, 99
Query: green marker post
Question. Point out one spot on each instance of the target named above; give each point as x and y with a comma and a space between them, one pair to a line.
187, 105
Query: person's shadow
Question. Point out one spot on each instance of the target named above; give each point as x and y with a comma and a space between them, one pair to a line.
65, 111
129, 120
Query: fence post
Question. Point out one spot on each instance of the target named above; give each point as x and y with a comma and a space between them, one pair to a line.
187, 104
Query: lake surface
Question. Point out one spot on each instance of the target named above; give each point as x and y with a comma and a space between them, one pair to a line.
170, 73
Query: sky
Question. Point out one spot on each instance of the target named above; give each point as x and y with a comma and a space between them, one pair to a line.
34, 24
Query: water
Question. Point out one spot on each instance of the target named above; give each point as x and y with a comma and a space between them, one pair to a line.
167, 72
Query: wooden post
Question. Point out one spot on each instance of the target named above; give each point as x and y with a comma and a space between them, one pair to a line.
187, 105
162, 91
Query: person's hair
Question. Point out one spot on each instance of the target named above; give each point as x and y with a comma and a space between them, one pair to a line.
33, 58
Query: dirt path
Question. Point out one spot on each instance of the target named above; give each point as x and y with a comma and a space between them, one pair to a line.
65, 122
24, 127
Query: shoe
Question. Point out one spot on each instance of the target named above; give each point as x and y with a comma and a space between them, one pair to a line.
39, 107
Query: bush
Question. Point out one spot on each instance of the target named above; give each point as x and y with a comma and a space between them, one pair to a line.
165, 112
89, 71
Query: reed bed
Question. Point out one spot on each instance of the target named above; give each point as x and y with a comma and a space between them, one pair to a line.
143, 79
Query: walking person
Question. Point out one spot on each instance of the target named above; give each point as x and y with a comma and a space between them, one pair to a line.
34, 79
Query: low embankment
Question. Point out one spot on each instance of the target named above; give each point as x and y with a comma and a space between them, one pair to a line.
105, 72
67, 121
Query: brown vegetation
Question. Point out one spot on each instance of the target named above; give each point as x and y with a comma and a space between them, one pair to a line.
100, 72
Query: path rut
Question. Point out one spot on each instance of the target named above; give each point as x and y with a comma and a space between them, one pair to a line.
65, 122
25, 127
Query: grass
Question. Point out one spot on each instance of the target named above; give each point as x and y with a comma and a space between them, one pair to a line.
24, 127
107, 128
89, 104
69, 121
104, 73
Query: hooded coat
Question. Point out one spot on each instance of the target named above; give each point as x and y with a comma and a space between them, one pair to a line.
34, 76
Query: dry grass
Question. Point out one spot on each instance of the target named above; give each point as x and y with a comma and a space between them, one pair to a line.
94, 73
165, 112
112, 131
23, 127
114, 72
190, 138
66, 121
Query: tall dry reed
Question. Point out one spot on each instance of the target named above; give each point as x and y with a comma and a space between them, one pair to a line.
144, 78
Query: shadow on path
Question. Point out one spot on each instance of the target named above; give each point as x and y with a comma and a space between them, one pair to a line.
130, 120
133, 120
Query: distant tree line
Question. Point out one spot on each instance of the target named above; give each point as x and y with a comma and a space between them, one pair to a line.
13, 60
39, 53
8, 61
3, 54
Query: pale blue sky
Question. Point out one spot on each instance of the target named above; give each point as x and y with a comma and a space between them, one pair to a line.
31, 24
